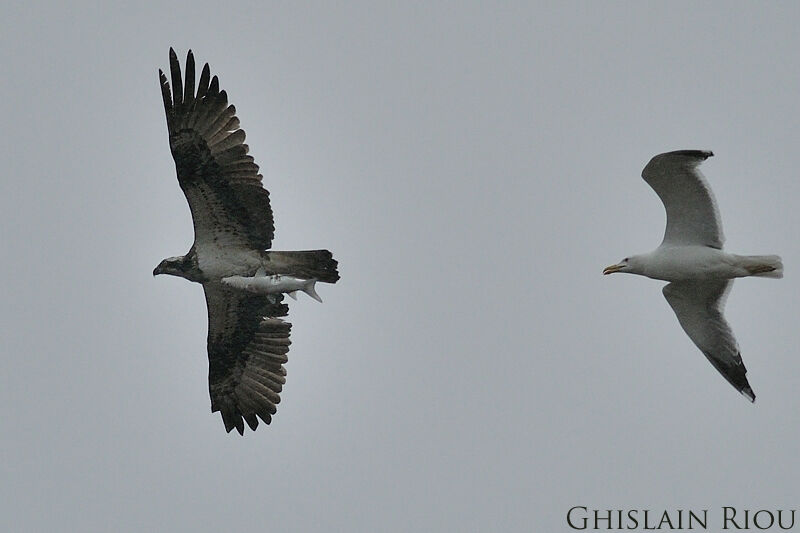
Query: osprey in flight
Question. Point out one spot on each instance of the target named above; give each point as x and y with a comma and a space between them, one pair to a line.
243, 283
691, 259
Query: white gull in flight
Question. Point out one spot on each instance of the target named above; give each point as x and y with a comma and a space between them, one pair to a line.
691, 259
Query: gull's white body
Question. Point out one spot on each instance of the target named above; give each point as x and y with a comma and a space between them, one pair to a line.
691, 258
672, 262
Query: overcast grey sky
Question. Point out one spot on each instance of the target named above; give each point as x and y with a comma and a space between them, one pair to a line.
473, 169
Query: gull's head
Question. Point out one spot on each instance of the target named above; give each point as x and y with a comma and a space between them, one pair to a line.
626, 265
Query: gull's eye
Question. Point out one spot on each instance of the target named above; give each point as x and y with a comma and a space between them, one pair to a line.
625, 260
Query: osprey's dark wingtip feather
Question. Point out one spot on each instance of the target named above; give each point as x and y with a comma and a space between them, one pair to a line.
167, 98
188, 90
251, 420
202, 85
177, 82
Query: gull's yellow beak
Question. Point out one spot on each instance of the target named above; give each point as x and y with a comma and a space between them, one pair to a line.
611, 269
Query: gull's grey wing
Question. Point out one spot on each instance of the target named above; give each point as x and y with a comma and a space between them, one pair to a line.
221, 182
247, 347
698, 306
692, 213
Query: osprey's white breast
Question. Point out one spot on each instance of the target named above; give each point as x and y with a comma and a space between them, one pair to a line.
216, 263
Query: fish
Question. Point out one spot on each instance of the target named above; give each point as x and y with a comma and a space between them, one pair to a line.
274, 284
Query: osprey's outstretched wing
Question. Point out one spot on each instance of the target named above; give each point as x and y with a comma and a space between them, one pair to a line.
221, 182
692, 214
698, 306
247, 347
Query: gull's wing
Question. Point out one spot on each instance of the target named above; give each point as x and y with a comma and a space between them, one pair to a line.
692, 213
247, 348
221, 182
698, 306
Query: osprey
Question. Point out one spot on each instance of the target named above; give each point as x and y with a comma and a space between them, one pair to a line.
243, 283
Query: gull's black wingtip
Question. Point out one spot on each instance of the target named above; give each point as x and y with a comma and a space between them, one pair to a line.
748, 393
702, 154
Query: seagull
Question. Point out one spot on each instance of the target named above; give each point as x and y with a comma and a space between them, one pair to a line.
233, 229
691, 258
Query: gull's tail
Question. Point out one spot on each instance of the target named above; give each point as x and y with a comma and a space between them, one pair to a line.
763, 266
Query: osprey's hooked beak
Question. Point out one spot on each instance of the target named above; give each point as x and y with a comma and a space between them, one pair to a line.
158, 270
613, 268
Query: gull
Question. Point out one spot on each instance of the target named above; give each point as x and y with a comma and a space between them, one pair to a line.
691, 258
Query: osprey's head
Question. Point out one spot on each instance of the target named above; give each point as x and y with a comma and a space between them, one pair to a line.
175, 266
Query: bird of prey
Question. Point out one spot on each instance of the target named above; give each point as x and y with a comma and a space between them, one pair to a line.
691, 259
243, 282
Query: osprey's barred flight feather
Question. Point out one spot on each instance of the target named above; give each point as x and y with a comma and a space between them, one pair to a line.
233, 228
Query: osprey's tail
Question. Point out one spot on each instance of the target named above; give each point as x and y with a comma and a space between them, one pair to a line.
309, 264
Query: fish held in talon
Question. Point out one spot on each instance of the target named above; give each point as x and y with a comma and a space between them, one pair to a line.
274, 284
